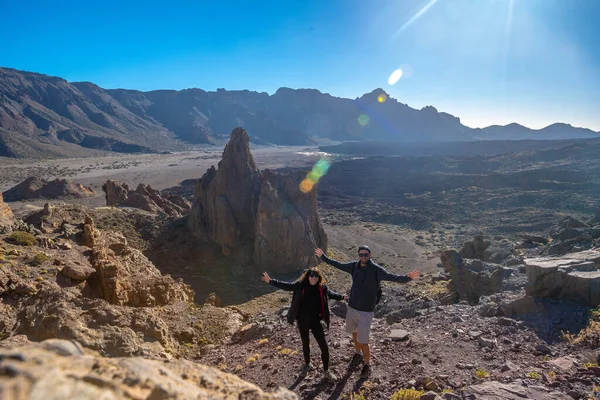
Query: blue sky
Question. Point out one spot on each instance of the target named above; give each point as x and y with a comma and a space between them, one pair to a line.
486, 61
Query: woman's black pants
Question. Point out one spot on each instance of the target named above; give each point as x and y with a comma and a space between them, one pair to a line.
317, 330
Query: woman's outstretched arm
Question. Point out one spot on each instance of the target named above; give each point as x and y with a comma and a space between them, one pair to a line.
278, 284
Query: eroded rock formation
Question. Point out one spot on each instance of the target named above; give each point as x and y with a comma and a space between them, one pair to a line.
34, 188
144, 198
6, 216
573, 277
263, 218
471, 278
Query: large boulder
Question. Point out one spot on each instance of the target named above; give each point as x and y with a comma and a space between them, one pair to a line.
484, 249
471, 279
145, 198
6, 216
260, 218
34, 188
493, 390
61, 369
574, 277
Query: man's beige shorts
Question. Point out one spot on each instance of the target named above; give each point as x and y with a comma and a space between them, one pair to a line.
360, 322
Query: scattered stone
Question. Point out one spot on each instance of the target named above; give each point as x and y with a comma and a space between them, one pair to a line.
542, 348
399, 334
429, 396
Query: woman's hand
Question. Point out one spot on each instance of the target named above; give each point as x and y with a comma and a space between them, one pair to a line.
318, 252
265, 277
414, 274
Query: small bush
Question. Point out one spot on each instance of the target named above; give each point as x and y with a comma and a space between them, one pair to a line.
357, 396
552, 376
253, 359
39, 259
407, 394
533, 375
590, 364
482, 373
263, 341
22, 238
287, 352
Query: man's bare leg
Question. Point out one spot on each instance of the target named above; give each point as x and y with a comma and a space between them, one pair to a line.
366, 353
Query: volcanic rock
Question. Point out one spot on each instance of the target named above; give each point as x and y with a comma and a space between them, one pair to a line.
35, 188
144, 198
262, 217
6, 216
471, 279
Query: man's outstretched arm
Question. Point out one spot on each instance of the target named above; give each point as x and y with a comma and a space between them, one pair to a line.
383, 275
346, 267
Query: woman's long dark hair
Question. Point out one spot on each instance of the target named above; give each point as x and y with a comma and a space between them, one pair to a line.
304, 277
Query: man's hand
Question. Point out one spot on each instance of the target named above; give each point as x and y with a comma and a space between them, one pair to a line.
346, 297
265, 277
414, 274
318, 252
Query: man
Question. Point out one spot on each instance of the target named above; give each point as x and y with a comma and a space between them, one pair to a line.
366, 276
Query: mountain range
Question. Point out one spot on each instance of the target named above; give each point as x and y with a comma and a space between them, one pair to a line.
45, 116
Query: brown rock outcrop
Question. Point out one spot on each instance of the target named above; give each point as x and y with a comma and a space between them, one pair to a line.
144, 198
288, 227
262, 218
61, 369
127, 277
6, 216
471, 279
574, 277
34, 188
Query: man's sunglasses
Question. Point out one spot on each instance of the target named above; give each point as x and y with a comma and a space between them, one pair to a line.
363, 254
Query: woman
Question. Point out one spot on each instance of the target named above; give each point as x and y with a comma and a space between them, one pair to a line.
309, 307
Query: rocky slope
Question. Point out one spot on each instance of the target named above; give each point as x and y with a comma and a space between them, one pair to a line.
42, 115
506, 344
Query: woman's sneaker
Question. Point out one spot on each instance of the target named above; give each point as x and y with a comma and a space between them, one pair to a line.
356, 360
306, 369
330, 376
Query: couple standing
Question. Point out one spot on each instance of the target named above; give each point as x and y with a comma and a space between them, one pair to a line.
310, 305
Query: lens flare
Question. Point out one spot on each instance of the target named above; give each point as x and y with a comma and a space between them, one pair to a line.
395, 76
382, 98
318, 171
363, 119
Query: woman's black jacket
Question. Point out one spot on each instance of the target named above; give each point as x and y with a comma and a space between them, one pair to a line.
297, 288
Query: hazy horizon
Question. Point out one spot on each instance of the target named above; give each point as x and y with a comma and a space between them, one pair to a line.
488, 62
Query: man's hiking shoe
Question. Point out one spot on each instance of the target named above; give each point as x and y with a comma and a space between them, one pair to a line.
330, 376
356, 360
306, 369
366, 371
